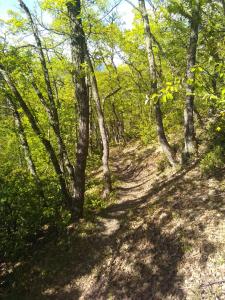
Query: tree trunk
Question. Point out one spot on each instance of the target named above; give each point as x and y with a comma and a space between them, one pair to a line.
101, 122
46, 143
23, 140
64, 160
91, 122
167, 149
118, 124
78, 47
49, 105
162, 138
25, 146
189, 128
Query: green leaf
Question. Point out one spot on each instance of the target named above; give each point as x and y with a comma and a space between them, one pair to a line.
164, 99
169, 96
154, 96
190, 81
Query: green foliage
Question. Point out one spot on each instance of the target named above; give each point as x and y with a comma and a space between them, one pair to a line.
94, 161
146, 133
162, 164
213, 161
24, 212
120, 61
215, 158
93, 199
94, 202
217, 131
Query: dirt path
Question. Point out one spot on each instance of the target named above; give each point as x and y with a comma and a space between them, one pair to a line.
167, 232
163, 238
134, 173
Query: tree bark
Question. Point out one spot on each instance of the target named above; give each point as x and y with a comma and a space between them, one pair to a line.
101, 122
167, 149
78, 47
169, 152
189, 128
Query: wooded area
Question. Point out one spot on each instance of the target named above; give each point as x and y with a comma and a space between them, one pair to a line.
78, 89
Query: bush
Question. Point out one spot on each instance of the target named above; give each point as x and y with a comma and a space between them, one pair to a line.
216, 131
24, 212
213, 161
93, 199
162, 164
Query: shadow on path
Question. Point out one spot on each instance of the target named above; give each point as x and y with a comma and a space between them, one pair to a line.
140, 259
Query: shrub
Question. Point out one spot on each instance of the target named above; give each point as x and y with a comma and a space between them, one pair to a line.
213, 161
162, 164
24, 212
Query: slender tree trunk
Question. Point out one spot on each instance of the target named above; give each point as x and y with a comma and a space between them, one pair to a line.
64, 160
167, 149
78, 47
46, 143
25, 146
23, 140
118, 125
101, 122
91, 122
189, 128
161, 134
49, 105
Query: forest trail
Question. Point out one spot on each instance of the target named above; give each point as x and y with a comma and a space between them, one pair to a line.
134, 173
162, 238
98, 99
169, 232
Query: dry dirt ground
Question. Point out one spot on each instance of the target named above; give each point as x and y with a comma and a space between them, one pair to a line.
163, 238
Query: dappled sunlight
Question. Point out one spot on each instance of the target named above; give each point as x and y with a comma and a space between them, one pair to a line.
112, 150
157, 241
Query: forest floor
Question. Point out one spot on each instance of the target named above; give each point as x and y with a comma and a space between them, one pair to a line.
163, 237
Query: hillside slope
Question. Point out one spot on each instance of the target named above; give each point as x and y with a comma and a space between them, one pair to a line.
163, 238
